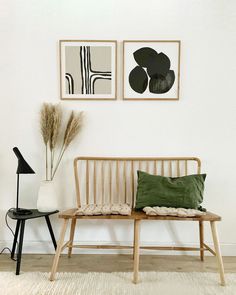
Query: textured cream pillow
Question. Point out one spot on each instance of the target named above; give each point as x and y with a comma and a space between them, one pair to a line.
106, 209
180, 212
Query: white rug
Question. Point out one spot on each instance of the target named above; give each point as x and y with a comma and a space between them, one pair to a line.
158, 283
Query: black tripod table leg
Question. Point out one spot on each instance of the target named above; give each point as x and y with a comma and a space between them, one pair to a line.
22, 228
15, 239
51, 231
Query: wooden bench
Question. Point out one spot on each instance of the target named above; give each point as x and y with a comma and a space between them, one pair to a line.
114, 180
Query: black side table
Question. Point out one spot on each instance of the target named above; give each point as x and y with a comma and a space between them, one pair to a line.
20, 224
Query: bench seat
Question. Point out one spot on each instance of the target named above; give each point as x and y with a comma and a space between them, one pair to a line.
139, 215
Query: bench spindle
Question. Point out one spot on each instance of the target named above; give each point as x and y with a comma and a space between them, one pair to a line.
155, 168
110, 181
170, 168
186, 167
94, 182
178, 168
87, 182
102, 182
118, 180
162, 168
125, 182
132, 182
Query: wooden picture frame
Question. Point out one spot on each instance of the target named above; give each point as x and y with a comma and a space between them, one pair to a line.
88, 69
151, 69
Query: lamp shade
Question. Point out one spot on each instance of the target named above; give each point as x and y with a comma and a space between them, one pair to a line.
23, 166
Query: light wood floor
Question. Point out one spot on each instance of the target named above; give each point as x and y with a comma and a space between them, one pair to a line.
116, 263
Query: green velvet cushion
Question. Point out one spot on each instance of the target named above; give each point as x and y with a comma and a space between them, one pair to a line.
178, 192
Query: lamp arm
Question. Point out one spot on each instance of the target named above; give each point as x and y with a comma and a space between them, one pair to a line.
17, 192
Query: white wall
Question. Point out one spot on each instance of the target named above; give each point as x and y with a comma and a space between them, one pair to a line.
202, 123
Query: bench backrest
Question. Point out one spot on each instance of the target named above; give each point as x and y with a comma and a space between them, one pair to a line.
114, 180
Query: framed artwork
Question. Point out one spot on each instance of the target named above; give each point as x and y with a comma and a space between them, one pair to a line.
88, 69
151, 70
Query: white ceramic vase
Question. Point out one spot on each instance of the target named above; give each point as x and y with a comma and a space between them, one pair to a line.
47, 197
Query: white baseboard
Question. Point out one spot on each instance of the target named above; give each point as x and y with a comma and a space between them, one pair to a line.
46, 247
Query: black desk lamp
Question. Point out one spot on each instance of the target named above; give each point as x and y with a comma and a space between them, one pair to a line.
23, 168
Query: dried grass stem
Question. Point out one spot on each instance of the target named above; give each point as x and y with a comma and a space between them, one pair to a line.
50, 123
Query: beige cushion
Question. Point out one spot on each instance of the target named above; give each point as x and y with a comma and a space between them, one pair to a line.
180, 212
106, 209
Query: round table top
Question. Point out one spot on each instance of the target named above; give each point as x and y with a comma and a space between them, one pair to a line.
35, 214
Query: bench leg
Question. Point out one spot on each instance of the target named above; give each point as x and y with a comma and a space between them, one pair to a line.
136, 250
201, 238
72, 233
133, 240
58, 251
218, 253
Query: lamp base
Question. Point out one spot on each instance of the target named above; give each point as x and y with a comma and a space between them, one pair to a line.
20, 211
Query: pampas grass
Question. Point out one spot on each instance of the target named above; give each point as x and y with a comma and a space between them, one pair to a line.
45, 124
73, 127
50, 123
56, 118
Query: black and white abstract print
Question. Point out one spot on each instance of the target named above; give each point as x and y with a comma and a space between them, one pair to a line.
151, 69
88, 75
152, 72
70, 83
88, 70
